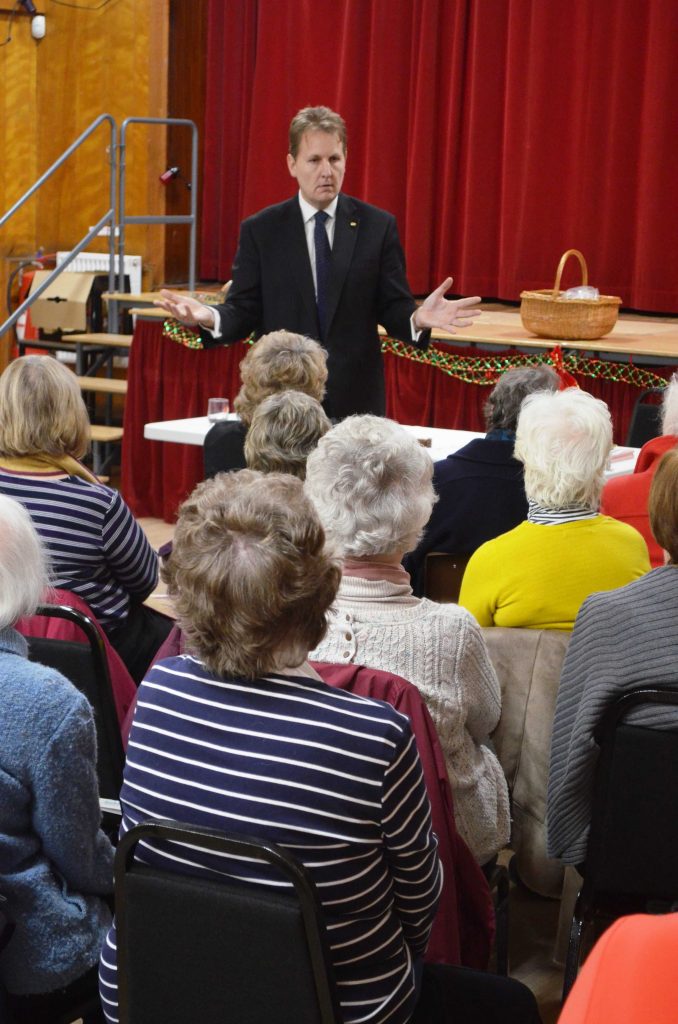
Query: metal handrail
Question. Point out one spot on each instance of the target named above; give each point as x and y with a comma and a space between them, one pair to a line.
191, 218
108, 218
117, 225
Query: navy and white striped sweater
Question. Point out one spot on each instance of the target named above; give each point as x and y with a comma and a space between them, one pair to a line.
96, 547
333, 777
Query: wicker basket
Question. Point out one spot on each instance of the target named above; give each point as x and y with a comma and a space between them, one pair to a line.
548, 316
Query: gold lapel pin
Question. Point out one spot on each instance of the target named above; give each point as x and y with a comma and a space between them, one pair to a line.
354, 224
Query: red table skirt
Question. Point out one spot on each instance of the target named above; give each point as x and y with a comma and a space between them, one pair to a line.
167, 382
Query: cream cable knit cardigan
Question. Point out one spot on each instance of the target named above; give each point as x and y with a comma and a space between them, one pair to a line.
439, 648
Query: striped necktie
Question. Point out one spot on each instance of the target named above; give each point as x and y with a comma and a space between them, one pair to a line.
323, 255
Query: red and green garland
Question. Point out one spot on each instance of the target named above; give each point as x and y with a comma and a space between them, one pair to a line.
484, 369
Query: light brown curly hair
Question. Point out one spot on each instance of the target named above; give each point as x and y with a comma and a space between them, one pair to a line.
280, 361
663, 504
285, 429
249, 574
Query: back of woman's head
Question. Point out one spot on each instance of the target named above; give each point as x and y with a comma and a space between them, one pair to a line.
280, 361
564, 441
371, 483
41, 409
249, 573
23, 563
663, 504
670, 407
503, 406
285, 429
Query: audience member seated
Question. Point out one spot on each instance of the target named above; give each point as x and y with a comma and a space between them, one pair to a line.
621, 640
284, 431
55, 862
630, 975
625, 497
371, 484
538, 574
279, 361
252, 742
480, 487
96, 548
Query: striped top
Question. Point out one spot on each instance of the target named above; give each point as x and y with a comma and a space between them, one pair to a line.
332, 777
545, 516
622, 639
96, 547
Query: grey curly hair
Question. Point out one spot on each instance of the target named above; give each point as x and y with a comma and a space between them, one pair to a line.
502, 407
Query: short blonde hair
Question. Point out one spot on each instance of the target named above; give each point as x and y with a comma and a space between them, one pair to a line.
284, 431
564, 440
41, 409
371, 483
280, 361
249, 574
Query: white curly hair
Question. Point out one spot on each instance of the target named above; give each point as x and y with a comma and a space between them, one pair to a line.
370, 482
564, 440
23, 563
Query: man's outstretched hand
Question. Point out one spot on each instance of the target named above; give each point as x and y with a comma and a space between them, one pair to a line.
446, 314
186, 309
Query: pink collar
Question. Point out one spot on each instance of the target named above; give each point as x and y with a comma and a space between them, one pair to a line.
367, 570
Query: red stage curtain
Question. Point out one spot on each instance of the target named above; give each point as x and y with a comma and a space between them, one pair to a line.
500, 132
165, 382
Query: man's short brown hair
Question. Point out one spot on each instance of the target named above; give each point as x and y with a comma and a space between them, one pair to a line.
249, 574
663, 504
280, 361
41, 409
316, 119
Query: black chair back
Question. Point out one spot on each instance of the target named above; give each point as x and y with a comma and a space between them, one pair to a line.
443, 573
86, 666
197, 948
631, 863
645, 422
634, 829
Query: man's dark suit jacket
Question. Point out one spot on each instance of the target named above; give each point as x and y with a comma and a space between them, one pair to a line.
480, 495
273, 288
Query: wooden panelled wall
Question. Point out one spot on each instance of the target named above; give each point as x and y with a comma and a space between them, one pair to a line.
105, 59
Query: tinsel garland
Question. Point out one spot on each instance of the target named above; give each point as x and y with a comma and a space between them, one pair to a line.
482, 369
486, 368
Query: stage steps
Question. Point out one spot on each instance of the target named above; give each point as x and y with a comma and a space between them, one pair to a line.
96, 339
103, 385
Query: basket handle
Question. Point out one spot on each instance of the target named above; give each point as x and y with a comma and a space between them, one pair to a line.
561, 266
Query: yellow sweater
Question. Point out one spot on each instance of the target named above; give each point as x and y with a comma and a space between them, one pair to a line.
537, 576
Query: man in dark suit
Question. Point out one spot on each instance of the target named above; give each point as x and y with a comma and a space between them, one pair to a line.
325, 265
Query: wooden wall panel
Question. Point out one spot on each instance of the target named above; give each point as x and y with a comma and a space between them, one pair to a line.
18, 161
107, 60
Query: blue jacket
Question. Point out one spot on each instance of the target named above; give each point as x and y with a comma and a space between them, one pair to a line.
480, 495
54, 860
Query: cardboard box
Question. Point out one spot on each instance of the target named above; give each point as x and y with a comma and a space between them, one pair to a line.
63, 305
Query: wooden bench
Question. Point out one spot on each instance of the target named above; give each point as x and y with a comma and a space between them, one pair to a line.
103, 385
